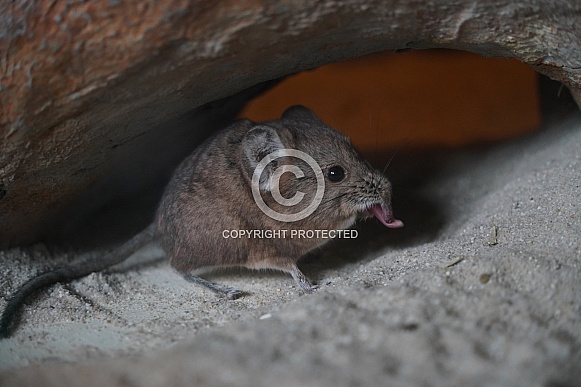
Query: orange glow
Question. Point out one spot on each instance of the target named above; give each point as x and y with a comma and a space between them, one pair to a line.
416, 98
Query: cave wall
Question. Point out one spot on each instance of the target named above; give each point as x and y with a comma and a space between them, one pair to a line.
83, 83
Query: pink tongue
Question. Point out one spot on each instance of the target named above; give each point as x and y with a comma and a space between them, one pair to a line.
385, 216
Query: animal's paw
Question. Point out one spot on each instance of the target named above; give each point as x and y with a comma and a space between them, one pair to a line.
309, 288
233, 294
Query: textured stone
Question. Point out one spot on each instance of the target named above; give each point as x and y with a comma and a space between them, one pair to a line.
82, 82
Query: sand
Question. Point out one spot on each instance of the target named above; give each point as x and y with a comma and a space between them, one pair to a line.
481, 288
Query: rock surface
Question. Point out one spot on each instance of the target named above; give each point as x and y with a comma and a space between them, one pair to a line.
82, 83
481, 288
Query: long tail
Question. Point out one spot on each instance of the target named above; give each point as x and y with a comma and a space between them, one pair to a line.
70, 272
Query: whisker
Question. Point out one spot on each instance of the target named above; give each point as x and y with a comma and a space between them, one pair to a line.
333, 198
400, 146
391, 159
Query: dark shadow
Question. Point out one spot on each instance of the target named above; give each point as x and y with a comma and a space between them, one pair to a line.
410, 171
123, 203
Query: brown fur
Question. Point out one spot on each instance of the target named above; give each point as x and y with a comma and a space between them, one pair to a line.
211, 192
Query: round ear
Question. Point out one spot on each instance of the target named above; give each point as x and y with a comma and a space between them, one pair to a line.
259, 142
299, 112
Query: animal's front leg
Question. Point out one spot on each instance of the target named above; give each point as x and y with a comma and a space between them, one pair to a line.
302, 280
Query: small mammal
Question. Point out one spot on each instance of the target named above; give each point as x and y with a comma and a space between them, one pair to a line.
211, 191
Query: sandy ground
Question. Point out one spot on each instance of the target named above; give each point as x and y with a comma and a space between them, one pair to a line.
441, 302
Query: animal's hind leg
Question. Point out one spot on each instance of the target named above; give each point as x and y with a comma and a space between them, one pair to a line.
286, 265
220, 290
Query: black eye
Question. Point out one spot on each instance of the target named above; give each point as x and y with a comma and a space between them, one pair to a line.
336, 174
